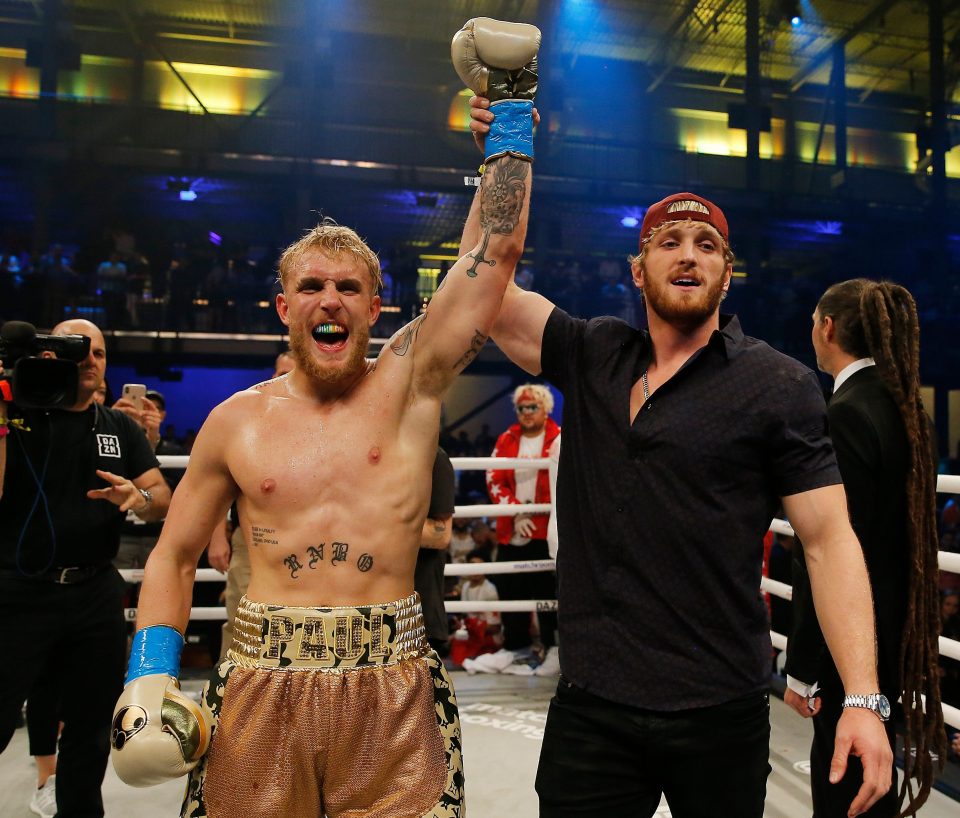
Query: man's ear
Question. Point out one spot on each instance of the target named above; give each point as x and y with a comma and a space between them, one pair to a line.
282, 309
829, 328
374, 309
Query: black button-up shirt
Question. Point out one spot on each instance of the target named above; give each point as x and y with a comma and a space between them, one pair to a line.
662, 520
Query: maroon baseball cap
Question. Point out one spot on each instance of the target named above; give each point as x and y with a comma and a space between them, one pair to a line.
682, 206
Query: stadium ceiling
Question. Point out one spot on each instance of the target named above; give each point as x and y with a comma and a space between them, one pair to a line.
698, 41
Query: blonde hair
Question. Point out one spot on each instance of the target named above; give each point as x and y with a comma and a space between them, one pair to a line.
542, 394
331, 239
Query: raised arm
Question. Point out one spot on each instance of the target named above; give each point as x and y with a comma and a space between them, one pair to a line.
498, 60
518, 328
844, 604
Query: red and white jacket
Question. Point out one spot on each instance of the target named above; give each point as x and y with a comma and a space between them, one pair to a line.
502, 483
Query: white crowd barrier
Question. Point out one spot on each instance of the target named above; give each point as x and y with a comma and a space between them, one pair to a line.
948, 561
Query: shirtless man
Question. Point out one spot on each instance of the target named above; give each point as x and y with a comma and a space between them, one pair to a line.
330, 700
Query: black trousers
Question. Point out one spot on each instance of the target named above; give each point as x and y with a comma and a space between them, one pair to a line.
833, 800
539, 585
78, 633
600, 758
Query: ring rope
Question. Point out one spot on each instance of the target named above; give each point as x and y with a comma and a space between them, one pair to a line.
948, 561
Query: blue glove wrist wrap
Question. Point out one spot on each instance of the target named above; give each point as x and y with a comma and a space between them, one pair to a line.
155, 650
511, 130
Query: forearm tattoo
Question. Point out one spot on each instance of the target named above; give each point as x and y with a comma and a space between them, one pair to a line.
405, 338
502, 193
264, 536
316, 553
476, 344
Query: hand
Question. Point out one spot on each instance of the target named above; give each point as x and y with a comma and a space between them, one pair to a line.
801, 703
219, 551
523, 526
862, 734
121, 492
481, 117
150, 419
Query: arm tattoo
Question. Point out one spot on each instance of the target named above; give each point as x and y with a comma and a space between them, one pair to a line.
501, 202
264, 536
479, 339
405, 338
315, 554
438, 527
293, 564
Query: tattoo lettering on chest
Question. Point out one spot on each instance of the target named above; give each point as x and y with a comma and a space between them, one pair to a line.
406, 337
293, 564
264, 536
338, 552
476, 344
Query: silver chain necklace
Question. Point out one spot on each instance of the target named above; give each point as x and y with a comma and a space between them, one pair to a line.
646, 386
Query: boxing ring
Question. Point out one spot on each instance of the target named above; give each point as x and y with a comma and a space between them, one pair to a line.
946, 484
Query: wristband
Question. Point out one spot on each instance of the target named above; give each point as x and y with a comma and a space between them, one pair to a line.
511, 131
155, 650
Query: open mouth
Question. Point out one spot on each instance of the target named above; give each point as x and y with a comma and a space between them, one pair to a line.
685, 282
330, 335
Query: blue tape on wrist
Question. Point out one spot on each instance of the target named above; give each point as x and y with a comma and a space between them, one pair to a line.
155, 650
511, 130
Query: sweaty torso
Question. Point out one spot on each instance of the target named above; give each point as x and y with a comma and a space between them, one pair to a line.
332, 496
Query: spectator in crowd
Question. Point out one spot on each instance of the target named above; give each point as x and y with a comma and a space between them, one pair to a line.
484, 631
112, 284
524, 537
461, 543
950, 629
64, 574
428, 578
138, 537
484, 441
484, 538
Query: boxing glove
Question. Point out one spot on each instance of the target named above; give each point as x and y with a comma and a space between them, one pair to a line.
498, 60
158, 732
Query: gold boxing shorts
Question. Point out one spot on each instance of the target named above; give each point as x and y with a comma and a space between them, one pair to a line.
344, 712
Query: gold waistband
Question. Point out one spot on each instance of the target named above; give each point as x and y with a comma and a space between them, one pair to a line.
278, 637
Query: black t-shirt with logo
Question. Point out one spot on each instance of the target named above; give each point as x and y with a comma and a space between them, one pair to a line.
61, 452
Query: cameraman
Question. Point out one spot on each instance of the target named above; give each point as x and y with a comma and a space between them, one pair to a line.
59, 595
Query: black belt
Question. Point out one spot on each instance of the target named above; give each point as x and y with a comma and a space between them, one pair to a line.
70, 575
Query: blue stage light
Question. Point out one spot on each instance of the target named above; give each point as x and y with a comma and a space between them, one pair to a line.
630, 221
796, 20
188, 195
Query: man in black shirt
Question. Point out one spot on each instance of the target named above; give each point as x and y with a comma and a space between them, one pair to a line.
59, 595
679, 445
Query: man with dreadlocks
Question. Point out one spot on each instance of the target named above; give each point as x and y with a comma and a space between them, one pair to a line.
866, 337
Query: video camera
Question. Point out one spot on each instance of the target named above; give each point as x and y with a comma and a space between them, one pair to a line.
33, 382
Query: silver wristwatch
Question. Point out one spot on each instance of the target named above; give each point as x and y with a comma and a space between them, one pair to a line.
876, 702
148, 499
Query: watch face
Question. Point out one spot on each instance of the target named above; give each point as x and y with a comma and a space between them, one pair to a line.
883, 706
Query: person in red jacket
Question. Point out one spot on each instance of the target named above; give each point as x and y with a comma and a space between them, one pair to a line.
524, 537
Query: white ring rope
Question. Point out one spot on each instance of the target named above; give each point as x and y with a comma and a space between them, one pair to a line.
948, 561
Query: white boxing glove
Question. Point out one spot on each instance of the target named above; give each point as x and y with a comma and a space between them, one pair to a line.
498, 60
158, 732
